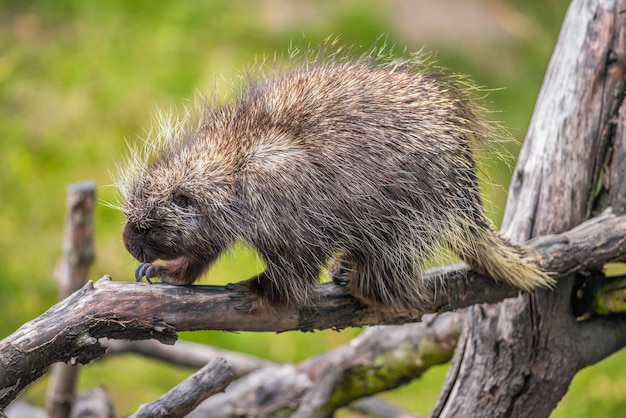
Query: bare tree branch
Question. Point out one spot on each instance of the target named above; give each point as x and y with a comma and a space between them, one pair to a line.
71, 273
189, 354
22, 409
377, 407
194, 355
178, 402
94, 403
518, 358
315, 402
576, 132
380, 358
70, 331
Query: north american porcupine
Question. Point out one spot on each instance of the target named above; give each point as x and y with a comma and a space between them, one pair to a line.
366, 164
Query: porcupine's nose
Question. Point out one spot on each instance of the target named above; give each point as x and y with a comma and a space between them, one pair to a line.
134, 239
130, 234
146, 244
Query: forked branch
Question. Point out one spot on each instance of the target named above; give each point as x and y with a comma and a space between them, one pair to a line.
70, 331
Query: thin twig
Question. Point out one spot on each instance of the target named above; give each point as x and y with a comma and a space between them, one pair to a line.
184, 398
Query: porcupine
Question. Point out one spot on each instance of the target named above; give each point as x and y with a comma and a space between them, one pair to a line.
367, 164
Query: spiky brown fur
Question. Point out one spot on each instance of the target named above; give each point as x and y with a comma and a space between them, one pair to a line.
368, 164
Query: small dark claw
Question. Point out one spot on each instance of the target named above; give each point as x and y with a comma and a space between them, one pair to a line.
238, 296
144, 270
232, 287
139, 272
341, 278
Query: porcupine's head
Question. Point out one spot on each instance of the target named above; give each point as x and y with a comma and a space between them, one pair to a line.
175, 192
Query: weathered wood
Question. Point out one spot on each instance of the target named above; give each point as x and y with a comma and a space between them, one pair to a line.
94, 403
78, 238
613, 179
181, 400
378, 407
194, 355
71, 273
518, 358
70, 331
380, 358
189, 354
22, 409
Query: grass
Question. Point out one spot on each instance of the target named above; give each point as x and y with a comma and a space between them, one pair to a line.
78, 79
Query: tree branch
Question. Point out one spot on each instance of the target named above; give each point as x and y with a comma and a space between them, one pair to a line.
94, 403
379, 408
518, 358
184, 398
189, 354
381, 358
71, 273
70, 331
194, 355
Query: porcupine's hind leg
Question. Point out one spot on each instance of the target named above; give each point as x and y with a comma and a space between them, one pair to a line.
282, 283
376, 280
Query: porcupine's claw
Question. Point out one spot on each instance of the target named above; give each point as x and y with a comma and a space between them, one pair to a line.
231, 287
238, 296
340, 278
144, 270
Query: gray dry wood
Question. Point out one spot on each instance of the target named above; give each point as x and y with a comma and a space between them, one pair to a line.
71, 272
181, 400
380, 358
70, 331
518, 358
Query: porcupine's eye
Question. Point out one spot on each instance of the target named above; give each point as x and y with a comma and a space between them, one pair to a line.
181, 199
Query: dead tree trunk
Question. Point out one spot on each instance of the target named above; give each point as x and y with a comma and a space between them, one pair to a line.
517, 358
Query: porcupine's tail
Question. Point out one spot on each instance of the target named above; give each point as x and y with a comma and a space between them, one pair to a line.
488, 253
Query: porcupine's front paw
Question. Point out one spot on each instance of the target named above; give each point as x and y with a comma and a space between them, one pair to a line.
146, 270
179, 271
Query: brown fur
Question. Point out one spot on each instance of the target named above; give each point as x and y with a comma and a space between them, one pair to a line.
368, 165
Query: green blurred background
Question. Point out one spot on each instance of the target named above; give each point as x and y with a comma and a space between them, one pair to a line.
78, 78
